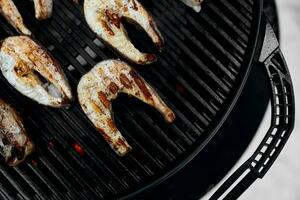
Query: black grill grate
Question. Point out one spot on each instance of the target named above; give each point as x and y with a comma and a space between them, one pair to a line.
195, 75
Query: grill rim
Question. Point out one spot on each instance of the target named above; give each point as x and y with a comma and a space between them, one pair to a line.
249, 57
214, 128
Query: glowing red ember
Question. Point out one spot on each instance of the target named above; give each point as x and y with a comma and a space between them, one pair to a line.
78, 148
34, 162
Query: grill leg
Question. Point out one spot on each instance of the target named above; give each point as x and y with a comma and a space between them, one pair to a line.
282, 124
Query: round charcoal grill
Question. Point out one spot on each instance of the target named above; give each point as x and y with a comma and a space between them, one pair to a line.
200, 75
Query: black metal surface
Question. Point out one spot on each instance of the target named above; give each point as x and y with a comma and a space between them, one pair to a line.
212, 164
204, 172
282, 123
200, 75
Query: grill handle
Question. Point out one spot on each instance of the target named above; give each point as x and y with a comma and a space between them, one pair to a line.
282, 124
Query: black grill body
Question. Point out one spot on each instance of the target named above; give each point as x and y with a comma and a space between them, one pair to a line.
210, 166
200, 75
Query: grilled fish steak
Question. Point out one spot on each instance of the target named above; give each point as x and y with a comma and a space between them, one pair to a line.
11, 14
104, 18
195, 4
99, 87
34, 72
15, 145
43, 10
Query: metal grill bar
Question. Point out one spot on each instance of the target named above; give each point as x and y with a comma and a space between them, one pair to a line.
195, 75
